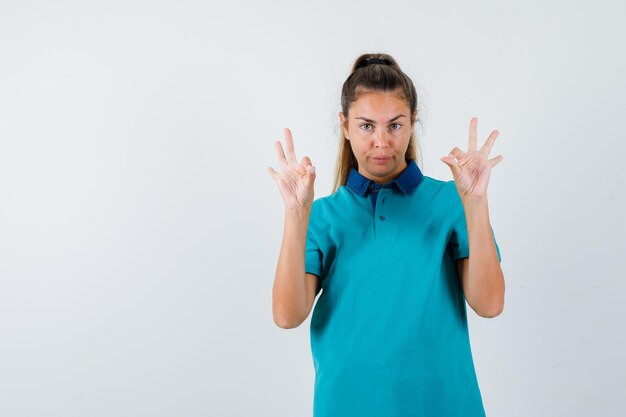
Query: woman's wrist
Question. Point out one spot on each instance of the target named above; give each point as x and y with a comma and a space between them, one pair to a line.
301, 212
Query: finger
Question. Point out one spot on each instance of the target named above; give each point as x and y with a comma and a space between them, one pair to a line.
489, 143
275, 175
281, 154
472, 134
289, 148
305, 162
453, 164
300, 167
310, 176
496, 160
457, 153
459, 156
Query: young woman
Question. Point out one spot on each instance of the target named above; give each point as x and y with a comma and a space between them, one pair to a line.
390, 248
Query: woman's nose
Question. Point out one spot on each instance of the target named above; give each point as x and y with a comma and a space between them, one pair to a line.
381, 139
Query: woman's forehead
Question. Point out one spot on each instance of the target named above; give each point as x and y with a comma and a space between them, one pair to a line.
379, 105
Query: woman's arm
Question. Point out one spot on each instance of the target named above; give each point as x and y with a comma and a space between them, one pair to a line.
481, 275
294, 291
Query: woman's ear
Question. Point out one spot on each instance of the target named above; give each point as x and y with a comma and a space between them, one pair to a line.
414, 118
344, 124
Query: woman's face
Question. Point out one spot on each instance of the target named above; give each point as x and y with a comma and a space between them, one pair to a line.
379, 126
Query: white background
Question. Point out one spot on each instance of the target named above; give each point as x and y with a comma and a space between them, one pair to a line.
139, 232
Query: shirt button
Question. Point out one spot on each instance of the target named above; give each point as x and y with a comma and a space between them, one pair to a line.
381, 218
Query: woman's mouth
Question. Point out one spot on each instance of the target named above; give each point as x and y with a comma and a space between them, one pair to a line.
381, 159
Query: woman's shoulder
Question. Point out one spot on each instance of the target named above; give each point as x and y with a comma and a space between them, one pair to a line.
440, 195
336, 205
325, 209
332, 200
434, 185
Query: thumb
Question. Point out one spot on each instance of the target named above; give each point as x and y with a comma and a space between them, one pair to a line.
310, 175
310, 171
453, 164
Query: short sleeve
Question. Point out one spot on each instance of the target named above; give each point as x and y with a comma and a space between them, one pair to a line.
459, 242
313, 254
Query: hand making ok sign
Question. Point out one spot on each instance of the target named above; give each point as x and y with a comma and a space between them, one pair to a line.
471, 169
295, 182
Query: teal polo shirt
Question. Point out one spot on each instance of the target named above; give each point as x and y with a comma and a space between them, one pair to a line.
389, 334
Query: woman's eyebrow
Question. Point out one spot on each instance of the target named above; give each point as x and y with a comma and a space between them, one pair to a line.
396, 118
372, 121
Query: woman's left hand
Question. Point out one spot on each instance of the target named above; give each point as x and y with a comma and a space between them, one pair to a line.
471, 169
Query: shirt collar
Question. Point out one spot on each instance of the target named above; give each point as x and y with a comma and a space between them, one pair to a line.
405, 182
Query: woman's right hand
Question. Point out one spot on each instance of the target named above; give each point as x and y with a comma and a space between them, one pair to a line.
295, 182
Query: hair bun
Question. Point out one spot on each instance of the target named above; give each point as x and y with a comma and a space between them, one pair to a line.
372, 61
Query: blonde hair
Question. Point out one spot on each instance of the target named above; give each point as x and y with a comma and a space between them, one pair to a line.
372, 72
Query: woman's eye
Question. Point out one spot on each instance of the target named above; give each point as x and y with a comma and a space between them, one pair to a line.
366, 126
396, 126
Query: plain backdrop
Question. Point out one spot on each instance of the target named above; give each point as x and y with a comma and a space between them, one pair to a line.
139, 231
